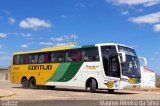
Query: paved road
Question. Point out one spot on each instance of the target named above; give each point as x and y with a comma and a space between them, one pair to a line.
72, 94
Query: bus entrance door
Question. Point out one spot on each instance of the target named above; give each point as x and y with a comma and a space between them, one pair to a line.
114, 68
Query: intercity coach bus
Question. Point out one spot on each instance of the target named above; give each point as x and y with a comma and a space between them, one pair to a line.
107, 66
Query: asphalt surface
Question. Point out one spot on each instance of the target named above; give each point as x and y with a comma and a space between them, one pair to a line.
70, 96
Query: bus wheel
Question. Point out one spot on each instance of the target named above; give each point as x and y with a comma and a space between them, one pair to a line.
110, 90
93, 85
25, 83
32, 83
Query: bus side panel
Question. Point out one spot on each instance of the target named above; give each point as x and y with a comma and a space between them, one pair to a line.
59, 73
41, 76
45, 75
65, 73
91, 70
73, 75
15, 74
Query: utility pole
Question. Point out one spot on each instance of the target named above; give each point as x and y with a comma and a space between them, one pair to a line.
74, 36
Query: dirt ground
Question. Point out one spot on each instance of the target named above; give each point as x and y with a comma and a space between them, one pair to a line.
60, 93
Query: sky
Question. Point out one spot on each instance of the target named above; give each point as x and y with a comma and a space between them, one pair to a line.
27, 25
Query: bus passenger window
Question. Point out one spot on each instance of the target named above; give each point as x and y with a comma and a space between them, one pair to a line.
33, 58
41, 58
44, 58
21, 59
47, 58
74, 55
16, 60
58, 56
69, 59
90, 54
54, 58
60, 59
78, 56
26, 59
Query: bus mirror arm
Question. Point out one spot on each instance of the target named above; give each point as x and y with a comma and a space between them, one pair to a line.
144, 59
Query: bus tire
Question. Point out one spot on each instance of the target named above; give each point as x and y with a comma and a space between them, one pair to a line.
93, 86
25, 83
111, 91
32, 83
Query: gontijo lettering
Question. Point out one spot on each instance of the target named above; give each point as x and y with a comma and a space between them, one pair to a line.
40, 67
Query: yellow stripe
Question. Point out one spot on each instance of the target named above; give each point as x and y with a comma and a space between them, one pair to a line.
48, 49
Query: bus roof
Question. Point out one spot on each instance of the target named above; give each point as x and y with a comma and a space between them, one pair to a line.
67, 48
103, 44
49, 49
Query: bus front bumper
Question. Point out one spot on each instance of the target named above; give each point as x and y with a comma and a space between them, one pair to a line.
128, 86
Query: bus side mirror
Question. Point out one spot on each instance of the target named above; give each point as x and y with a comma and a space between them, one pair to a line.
123, 57
144, 59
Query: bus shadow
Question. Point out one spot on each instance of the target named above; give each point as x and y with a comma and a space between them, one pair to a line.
98, 91
83, 90
117, 92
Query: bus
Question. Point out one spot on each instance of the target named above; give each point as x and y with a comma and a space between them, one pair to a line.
102, 66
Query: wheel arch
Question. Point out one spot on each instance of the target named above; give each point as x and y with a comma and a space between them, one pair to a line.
32, 77
24, 77
87, 84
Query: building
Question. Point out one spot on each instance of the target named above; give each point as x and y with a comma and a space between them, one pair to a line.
148, 77
4, 74
157, 81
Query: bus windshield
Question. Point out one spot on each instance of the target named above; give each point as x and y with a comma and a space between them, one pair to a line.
127, 50
131, 67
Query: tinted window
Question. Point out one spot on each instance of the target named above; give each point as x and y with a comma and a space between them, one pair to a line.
33, 58
74, 55
25, 59
59, 56
114, 67
21, 60
44, 58
108, 50
16, 59
127, 50
41, 58
90, 54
